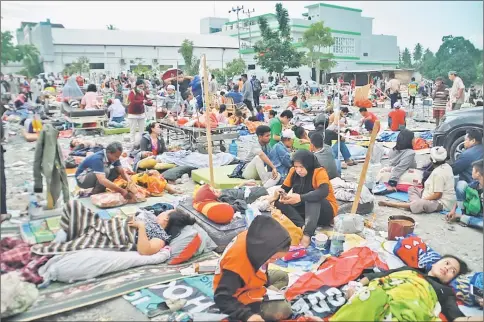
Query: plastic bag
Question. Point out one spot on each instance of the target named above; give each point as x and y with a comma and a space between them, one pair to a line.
349, 224
108, 200
17, 295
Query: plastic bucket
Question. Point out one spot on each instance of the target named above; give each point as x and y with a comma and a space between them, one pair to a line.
400, 226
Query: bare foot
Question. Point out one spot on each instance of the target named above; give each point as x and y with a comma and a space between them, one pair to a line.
305, 241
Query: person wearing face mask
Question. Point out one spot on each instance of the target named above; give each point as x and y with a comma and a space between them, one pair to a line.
312, 202
171, 103
407, 294
136, 110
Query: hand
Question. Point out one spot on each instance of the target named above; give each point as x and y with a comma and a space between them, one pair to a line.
292, 199
124, 193
274, 173
136, 224
305, 241
255, 318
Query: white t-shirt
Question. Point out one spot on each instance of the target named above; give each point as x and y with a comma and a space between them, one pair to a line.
117, 109
441, 180
456, 86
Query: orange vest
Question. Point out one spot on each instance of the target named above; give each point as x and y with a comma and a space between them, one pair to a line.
235, 259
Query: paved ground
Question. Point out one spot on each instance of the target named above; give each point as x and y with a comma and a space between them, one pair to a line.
444, 238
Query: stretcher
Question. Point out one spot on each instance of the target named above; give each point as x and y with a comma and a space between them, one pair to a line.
197, 137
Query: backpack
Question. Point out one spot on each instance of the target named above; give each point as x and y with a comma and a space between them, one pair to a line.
472, 203
256, 85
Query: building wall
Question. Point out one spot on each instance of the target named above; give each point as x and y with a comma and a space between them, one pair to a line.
111, 56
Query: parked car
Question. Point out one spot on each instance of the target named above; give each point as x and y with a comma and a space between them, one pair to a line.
452, 130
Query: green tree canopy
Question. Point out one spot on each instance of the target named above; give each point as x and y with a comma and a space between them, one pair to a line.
234, 67
30, 60
10, 52
316, 39
192, 64
406, 58
417, 53
275, 51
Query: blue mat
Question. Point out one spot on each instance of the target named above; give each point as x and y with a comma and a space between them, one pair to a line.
400, 196
457, 211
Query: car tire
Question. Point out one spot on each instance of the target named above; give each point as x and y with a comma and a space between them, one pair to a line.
455, 147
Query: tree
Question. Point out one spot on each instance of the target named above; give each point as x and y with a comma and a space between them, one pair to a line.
406, 58
417, 53
235, 67
428, 61
30, 60
275, 51
458, 54
10, 52
78, 66
111, 27
315, 39
192, 64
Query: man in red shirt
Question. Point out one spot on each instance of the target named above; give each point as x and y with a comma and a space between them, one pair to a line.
396, 118
368, 119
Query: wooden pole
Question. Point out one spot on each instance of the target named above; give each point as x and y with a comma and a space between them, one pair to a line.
376, 128
208, 108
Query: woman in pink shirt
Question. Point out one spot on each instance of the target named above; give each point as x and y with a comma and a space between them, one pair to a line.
89, 100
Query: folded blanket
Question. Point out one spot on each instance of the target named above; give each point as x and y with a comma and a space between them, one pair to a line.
87, 230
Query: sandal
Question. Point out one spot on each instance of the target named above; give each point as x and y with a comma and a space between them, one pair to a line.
350, 162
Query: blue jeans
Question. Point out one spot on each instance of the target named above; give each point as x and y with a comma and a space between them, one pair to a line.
119, 119
344, 151
472, 221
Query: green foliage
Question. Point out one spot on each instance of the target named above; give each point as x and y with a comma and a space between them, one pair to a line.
79, 66
10, 52
406, 58
417, 53
235, 67
141, 70
30, 60
192, 64
219, 75
316, 39
455, 53
275, 51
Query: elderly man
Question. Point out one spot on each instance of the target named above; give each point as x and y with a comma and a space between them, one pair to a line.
98, 171
457, 92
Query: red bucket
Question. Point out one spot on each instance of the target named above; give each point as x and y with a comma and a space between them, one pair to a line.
400, 226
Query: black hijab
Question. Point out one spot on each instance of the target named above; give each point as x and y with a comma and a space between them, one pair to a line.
404, 140
302, 185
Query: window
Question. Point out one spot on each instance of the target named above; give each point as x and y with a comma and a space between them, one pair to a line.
214, 30
365, 54
291, 73
250, 67
344, 45
96, 66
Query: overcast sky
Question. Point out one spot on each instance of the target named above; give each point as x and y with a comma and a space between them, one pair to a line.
411, 21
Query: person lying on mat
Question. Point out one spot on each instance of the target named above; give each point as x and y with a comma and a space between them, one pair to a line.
312, 202
469, 200
241, 277
98, 171
407, 294
257, 159
402, 158
438, 192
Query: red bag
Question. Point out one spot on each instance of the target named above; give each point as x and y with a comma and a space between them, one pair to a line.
420, 144
337, 271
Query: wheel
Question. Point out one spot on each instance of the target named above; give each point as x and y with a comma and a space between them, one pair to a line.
456, 148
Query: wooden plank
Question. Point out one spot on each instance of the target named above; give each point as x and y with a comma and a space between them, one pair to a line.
374, 133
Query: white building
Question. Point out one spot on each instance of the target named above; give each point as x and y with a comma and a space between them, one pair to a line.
355, 48
113, 51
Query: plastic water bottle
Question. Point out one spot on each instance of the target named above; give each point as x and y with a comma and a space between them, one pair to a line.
337, 241
233, 148
34, 209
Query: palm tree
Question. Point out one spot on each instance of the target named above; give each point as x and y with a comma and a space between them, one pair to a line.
111, 27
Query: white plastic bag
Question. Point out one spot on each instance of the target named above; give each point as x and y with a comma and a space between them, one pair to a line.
349, 224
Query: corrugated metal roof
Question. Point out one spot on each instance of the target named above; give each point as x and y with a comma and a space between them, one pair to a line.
138, 38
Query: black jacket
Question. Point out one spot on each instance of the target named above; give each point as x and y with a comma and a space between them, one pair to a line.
145, 144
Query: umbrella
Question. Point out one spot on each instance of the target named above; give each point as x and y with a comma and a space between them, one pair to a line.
171, 73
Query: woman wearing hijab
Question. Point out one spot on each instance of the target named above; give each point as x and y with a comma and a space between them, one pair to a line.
402, 158
312, 202
71, 89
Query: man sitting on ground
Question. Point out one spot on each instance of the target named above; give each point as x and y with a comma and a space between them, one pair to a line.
280, 154
368, 119
396, 118
324, 154
257, 159
462, 167
235, 95
98, 171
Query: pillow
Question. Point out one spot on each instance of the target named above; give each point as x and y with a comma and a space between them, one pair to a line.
414, 252
164, 166
185, 245
108, 200
147, 163
411, 177
219, 212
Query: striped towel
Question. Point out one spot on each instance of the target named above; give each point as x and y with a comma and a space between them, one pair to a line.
86, 230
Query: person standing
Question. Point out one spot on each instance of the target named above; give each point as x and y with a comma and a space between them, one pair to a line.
440, 96
394, 88
248, 93
457, 91
257, 88
136, 110
412, 92
212, 86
